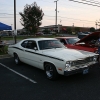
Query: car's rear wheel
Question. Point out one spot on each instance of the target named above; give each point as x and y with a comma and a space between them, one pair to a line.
50, 71
16, 59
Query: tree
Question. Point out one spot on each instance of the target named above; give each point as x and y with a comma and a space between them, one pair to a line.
46, 31
92, 29
77, 29
69, 30
31, 17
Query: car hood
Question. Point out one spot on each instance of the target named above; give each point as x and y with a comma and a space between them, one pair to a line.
67, 54
91, 36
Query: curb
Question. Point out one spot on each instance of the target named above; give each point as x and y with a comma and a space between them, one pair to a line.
4, 56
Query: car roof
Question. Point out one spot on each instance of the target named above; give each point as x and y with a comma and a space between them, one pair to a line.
65, 37
91, 36
39, 39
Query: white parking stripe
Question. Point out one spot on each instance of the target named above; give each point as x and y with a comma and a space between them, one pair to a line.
18, 73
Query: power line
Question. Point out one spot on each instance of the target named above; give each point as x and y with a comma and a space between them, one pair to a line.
69, 18
47, 16
7, 14
63, 3
94, 2
85, 3
6, 17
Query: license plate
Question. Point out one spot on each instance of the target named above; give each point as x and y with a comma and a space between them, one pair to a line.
85, 71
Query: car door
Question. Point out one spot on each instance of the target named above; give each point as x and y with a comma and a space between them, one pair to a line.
31, 56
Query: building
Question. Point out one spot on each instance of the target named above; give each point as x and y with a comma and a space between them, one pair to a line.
58, 29
64, 29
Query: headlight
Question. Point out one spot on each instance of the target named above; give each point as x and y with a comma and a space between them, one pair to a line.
73, 63
68, 64
91, 58
95, 58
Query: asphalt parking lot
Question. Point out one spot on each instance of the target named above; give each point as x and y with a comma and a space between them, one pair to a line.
25, 82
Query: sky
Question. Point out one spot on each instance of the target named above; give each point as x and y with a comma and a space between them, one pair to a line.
69, 13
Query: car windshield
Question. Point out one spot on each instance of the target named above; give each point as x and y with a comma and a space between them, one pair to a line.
72, 40
49, 44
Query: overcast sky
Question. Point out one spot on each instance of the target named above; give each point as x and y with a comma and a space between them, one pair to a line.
69, 12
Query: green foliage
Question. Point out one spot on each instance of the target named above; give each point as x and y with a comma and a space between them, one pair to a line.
3, 50
69, 30
46, 31
31, 17
92, 29
77, 29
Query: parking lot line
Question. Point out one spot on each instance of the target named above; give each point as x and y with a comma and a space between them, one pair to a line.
18, 73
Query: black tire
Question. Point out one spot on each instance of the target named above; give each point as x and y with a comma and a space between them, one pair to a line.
16, 59
50, 71
98, 59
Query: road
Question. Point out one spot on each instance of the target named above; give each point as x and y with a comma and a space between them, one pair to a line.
24, 82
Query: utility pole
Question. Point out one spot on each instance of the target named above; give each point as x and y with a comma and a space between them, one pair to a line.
12, 32
96, 24
99, 23
56, 14
15, 32
73, 24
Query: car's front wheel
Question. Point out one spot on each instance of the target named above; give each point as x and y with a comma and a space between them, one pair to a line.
50, 71
16, 59
98, 59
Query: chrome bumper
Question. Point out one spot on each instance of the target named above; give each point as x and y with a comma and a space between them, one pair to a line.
79, 69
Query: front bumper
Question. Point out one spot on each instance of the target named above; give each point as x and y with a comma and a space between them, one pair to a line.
80, 69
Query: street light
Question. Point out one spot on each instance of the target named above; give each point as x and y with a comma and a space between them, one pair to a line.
15, 33
56, 13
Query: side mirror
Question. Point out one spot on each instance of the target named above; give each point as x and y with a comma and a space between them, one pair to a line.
35, 48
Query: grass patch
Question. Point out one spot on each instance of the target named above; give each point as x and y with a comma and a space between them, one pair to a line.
24, 37
4, 50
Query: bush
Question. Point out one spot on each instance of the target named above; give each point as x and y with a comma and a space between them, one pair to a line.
3, 50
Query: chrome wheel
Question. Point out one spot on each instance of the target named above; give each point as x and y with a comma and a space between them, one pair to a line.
50, 71
16, 59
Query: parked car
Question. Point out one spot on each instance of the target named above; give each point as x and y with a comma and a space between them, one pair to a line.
87, 43
52, 56
39, 34
82, 34
4, 34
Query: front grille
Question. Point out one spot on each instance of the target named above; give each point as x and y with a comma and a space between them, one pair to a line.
83, 61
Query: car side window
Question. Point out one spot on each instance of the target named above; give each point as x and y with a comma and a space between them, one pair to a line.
63, 41
31, 45
24, 44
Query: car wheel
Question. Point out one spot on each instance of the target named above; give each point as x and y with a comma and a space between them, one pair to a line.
16, 59
98, 59
50, 71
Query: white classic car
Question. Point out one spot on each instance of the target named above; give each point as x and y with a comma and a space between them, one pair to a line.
52, 56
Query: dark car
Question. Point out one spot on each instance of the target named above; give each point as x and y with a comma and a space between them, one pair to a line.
82, 34
39, 34
4, 34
